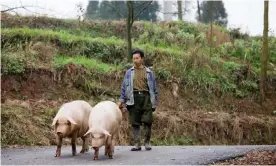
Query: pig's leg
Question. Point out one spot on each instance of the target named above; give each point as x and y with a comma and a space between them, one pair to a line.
116, 136
111, 148
73, 143
59, 142
85, 146
105, 148
113, 140
96, 154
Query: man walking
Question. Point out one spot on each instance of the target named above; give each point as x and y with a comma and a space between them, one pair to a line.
139, 93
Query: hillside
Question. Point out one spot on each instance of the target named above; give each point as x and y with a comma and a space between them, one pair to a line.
206, 96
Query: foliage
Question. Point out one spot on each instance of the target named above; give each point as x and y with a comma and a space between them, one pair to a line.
181, 35
92, 10
109, 10
150, 14
247, 51
174, 49
108, 50
213, 10
236, 33
12, 63
91, 64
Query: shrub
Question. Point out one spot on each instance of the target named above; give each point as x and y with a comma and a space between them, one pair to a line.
235, 33
12, 63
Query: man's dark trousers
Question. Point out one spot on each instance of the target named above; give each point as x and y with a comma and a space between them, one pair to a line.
141, 113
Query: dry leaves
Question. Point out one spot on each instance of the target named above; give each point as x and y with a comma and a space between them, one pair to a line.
265, 157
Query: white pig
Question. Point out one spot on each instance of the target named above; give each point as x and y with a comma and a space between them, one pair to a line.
71, 121
104, 122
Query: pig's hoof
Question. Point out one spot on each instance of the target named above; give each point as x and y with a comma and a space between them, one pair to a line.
110, 155
57, 155
84, 150
96, 158
74, 153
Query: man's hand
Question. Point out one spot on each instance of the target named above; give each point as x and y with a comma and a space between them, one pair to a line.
121, 105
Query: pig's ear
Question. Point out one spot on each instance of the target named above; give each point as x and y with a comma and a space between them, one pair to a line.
89, 131
54, 122
106, 132
71, 121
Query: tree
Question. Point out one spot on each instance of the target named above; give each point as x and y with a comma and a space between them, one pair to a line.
109, 10
131, 17
6, 9
133, 12
150, 14
213, 11
179, 8
121, 8
105, 10
198, 10
264, 57
92, 9
130, 11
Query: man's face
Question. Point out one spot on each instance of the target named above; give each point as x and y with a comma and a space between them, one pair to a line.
137, 60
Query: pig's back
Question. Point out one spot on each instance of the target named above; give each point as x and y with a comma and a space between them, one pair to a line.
78, 110
104, 114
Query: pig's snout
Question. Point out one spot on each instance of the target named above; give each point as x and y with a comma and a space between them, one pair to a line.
59, 133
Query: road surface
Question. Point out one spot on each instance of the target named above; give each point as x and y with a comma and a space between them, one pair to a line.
159, 155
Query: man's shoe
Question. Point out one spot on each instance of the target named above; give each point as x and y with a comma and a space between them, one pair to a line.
136, 148
136, 138
147, 146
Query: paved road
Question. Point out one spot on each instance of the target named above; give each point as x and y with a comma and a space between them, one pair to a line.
160, 155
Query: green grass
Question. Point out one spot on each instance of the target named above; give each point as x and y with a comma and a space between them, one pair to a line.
91, 64
66, 37
12, 63
194, 65
106, 49
62, 35
230, 66
151, 50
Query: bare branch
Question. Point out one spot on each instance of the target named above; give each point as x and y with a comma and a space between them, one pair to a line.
114, 9
14, 12
31, 11
13, 8
142, 11
141, 5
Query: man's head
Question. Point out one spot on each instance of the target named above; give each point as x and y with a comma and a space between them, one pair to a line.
138, 57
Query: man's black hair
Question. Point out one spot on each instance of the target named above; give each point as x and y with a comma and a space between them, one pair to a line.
137, 51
